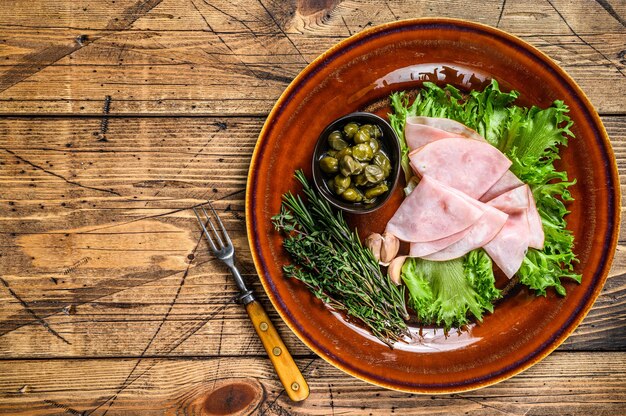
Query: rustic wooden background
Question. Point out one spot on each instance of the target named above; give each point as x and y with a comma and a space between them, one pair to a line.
109, 301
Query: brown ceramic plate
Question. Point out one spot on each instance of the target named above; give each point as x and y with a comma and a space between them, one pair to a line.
360, 73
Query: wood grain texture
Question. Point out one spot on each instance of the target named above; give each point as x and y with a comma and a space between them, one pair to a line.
109, 300
170, 57
62, 242
564, 383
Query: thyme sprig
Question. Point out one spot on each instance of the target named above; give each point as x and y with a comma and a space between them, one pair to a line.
331, 261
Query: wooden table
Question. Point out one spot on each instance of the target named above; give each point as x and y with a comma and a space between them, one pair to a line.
109, 300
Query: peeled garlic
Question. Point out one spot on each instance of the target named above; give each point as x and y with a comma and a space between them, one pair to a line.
395, 268
374, 242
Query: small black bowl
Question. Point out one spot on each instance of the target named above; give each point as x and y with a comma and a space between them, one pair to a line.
390, 145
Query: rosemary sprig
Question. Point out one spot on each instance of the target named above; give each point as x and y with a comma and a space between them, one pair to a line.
333, 263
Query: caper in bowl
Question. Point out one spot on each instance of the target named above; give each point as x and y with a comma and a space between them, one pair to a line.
356, 162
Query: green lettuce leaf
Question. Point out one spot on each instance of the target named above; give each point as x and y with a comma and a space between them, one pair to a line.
446, 293
478, 270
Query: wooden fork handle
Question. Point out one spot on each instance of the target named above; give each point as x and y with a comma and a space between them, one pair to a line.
290, 376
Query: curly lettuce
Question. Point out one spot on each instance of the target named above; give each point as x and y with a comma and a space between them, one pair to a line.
447, 292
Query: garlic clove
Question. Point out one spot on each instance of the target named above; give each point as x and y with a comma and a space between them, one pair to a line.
395, 269
389, 248
374, 242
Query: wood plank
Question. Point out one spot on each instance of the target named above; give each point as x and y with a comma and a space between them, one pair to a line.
109, 301
582, 383
63, 228
525, 17
176, 58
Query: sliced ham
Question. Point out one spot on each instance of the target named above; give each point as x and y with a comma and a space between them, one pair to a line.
432, 212
507, 182
537, 235
483, 231
419, 131
425, 248
508, 248
467, 198
513, 200
418, 135
470, 166
521, 198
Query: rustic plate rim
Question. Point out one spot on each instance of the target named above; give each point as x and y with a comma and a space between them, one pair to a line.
611, 169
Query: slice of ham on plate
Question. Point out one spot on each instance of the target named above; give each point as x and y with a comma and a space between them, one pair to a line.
470, 166
521, 198
537, 235
457, 245
432, 212
419, 131
508, 248
425, 248
513, 200
507, 182
483, 231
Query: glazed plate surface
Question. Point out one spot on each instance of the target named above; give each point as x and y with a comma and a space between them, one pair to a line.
359, 74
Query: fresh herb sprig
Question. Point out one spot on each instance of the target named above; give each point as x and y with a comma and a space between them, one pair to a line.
330, 259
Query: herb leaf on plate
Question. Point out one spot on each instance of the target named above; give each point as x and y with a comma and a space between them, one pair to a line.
530, 138
330, 259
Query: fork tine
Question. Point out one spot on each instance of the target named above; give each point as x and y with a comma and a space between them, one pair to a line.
222, 228
217, 235
206, 232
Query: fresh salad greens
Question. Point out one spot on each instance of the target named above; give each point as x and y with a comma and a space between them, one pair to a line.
444, 292
530, 138
333, 263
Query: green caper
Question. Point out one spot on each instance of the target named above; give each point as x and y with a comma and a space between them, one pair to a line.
362, 152
344, 152
376, 191
373, 174
350, 129
335, 135
374, 144
336, 142
352, 195
375, 131
382, 161
348, 166
362, 136
331, 153
340, 184
360, 179
329, 164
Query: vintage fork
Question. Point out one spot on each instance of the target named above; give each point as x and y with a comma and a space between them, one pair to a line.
290, 376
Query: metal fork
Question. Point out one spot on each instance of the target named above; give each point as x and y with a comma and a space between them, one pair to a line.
222, 247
